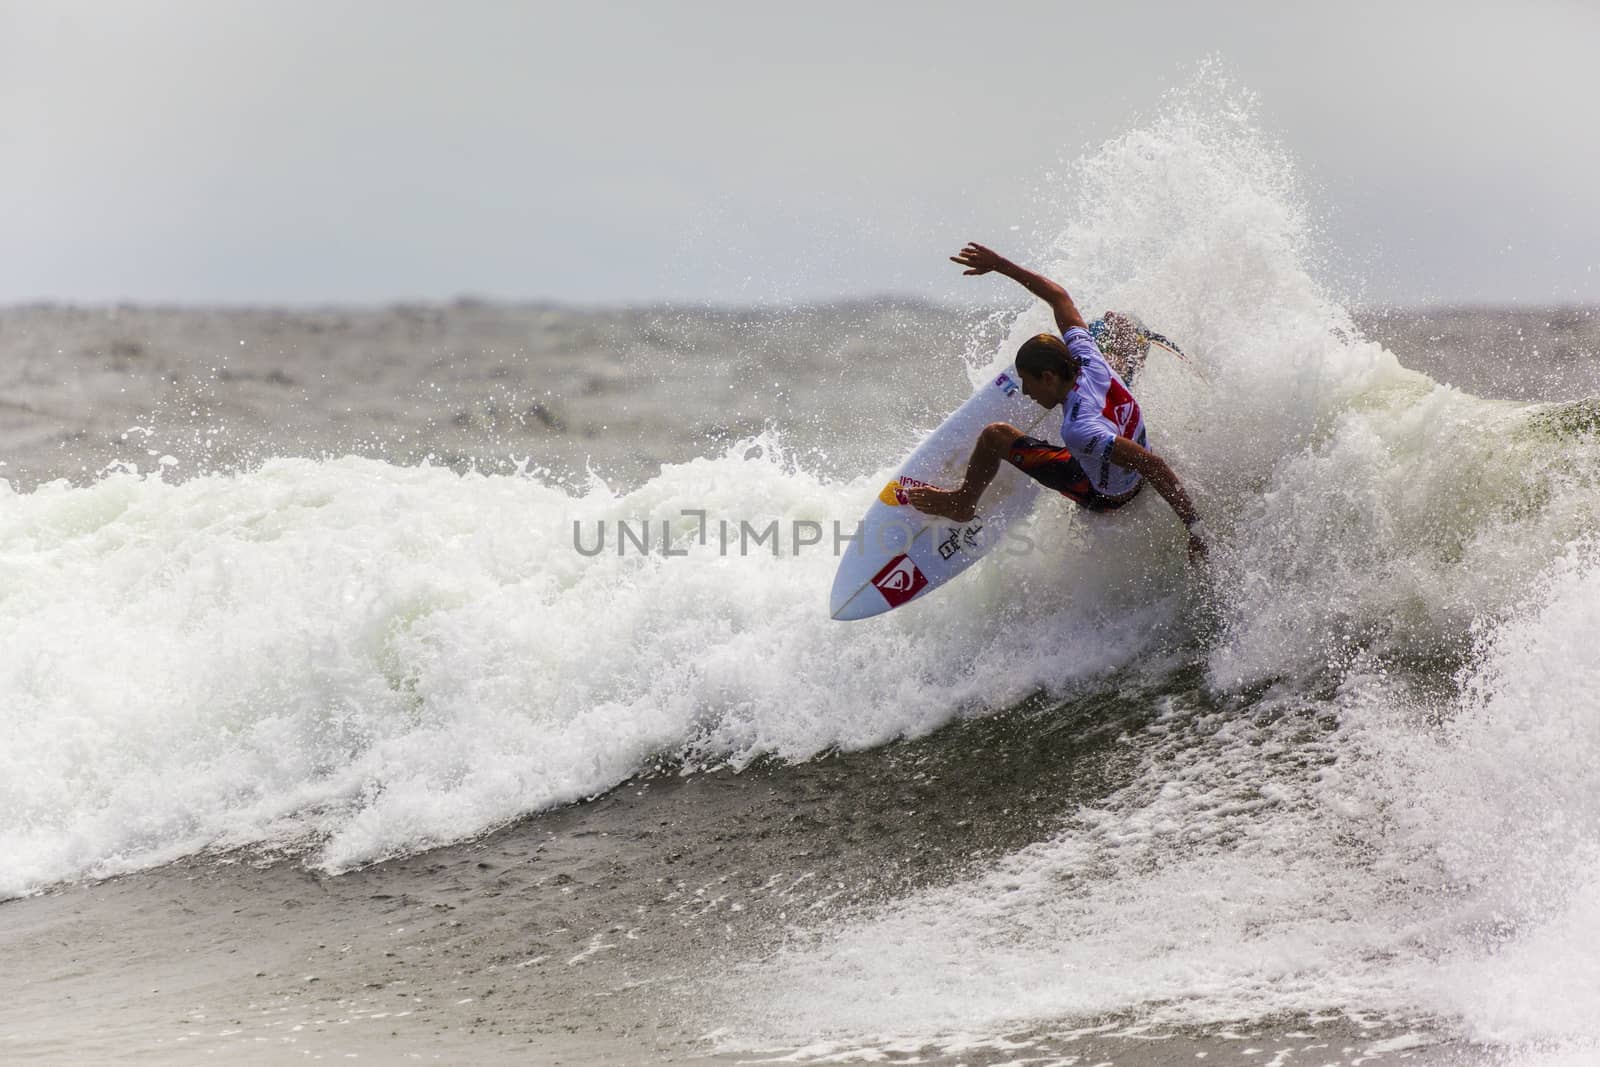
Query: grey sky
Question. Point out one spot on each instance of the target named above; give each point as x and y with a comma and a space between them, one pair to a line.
738, 152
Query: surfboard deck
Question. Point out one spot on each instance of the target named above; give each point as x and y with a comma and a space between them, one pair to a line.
901, 554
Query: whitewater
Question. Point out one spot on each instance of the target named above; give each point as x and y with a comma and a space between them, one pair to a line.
1361, 784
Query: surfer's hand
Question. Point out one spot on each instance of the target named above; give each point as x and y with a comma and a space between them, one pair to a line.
978, 259
1197, 548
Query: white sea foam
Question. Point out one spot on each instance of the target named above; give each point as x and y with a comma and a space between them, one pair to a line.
385, 658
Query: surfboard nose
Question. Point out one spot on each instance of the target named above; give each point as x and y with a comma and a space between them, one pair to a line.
851, 600
860, 606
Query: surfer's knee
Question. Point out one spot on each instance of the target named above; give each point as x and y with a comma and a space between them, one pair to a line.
1000, 436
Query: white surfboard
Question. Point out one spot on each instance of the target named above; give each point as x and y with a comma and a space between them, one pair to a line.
902, 554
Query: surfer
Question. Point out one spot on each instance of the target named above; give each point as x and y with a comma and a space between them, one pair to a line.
1105, 461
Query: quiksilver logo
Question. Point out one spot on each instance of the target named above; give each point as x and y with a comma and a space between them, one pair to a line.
901, 578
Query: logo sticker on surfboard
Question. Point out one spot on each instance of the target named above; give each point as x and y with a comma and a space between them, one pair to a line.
956, 539
894, 494
1008, 385
899, 581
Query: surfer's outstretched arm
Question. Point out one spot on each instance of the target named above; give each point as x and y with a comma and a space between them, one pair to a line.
980, 260
1135, 457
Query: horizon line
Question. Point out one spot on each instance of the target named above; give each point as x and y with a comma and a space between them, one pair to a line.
467, 301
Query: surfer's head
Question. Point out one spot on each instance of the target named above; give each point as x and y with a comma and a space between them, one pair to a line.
1047, 369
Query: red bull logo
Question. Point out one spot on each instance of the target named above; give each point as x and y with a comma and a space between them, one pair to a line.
894, 494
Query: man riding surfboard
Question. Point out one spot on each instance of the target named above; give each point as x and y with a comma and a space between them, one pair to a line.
1105, 461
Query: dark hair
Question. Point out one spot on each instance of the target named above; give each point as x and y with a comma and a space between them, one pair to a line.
1047, 352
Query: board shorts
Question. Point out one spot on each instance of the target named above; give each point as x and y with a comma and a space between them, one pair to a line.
1053, 467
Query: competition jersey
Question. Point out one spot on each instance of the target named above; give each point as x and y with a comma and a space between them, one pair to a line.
1097, 411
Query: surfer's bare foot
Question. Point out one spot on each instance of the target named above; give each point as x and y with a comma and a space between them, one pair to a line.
945, 503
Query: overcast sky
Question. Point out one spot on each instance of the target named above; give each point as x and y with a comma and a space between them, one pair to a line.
225, 150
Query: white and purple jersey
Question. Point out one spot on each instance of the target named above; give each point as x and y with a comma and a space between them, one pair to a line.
1097, 411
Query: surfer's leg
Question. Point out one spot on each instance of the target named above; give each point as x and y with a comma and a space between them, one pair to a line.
1052, 466
961, 504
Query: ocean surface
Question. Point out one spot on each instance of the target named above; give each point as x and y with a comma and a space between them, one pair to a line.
369, 686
